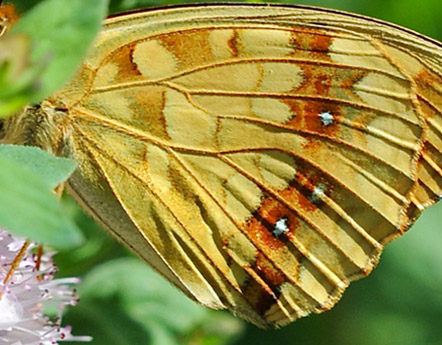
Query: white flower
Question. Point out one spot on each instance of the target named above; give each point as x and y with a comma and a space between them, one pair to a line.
27, 289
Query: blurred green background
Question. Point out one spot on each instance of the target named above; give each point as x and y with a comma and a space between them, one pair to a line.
123, 302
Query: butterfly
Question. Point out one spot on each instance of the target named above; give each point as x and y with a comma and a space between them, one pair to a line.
259, 157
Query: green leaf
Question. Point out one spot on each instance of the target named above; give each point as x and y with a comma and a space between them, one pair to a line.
60, 32
17, 78
28, 208
53, 170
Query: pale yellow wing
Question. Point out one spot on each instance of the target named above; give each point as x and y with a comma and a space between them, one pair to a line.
259, 157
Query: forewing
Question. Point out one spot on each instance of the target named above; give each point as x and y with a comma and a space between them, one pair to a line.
258, 157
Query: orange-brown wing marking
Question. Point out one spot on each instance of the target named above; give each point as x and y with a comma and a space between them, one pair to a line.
428, 189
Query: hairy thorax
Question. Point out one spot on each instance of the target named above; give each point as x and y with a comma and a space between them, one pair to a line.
45, 125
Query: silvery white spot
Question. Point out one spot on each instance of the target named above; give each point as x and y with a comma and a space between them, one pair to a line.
318, 193
326, 118
280, 227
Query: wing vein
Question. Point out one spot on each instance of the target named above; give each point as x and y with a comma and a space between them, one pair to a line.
238, 226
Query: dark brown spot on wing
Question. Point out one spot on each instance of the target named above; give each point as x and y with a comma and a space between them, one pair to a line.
191, 49
307, 118
262, 291
127, 69
233, 43
310, 43
261, 225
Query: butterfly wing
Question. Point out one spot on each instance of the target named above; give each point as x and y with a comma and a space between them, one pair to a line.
259, 157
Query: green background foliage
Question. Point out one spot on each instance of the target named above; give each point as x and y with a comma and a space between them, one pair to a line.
124, 302
27, 205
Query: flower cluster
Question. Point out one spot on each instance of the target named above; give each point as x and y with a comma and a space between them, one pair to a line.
27, 291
